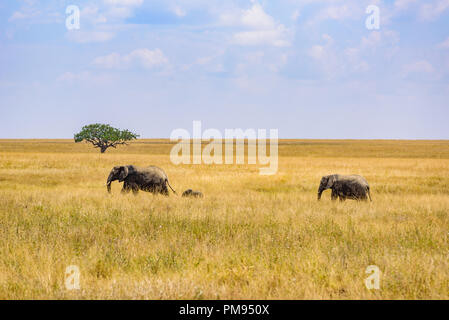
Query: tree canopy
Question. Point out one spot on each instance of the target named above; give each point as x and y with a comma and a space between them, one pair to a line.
104, 136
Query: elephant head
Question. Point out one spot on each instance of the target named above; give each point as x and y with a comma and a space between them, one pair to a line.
117, 173
327, 182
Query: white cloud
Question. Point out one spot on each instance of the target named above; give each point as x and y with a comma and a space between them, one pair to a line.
320, 52
34, 12
296, 14
327, 38
111, 10
275, 37
101, 13
254, 17
335, 61
403, 4
431, 11
210, 64
148, 59
179, 12
421, 66
33, 16
317, 52
125, 3
333, 12
111, 61
355, 61
372, 40
261, 28
327, 57
85, 77
355, 57
92, 14
340, 10
18, 16
336, 12
380, 38
80, 36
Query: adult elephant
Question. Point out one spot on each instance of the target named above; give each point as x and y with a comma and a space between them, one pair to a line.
345, 187
150, 179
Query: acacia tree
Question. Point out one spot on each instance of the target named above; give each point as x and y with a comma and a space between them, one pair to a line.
104, 136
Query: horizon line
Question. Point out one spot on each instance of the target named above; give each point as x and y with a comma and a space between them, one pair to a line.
268, 139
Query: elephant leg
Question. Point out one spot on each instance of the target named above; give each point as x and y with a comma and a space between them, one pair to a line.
147, 188
164, 191
126, 188
362, 194
355, 196
334, 195
135, 189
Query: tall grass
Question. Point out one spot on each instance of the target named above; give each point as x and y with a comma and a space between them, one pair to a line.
251, 237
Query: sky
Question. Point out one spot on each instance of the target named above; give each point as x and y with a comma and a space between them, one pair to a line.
311, 69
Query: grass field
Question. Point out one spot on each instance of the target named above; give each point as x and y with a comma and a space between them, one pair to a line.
251, 237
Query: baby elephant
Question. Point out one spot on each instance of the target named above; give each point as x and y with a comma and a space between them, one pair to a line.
193, 194
345, 187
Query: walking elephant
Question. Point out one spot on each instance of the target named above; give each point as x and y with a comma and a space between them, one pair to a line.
150, 179
193, 194
345, 187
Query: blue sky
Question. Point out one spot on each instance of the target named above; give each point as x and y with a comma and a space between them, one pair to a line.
310, 69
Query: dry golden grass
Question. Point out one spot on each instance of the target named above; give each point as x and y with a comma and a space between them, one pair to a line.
251, 237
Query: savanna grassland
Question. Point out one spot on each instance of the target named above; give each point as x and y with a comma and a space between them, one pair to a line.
251, 237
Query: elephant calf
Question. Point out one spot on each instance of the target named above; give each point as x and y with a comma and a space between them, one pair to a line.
151, 179
193, 194
345, 187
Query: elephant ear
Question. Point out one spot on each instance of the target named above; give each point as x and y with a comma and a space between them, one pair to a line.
124, 171
330, 181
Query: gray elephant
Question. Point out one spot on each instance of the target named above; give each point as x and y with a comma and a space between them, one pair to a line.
193, 194
150, 179
345, 187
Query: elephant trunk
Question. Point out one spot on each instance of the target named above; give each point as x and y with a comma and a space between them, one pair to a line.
108, 184
320, 191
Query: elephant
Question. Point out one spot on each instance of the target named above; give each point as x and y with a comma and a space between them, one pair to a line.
193, 194
150, 179
345, 187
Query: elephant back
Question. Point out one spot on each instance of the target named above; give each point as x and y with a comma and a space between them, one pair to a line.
156, 172
355, 178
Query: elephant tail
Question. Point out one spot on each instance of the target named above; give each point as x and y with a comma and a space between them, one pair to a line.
369, 194
166, 180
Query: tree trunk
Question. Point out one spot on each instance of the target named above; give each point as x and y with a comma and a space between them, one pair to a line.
103, 149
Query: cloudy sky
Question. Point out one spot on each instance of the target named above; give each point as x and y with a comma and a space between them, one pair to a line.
308, 68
